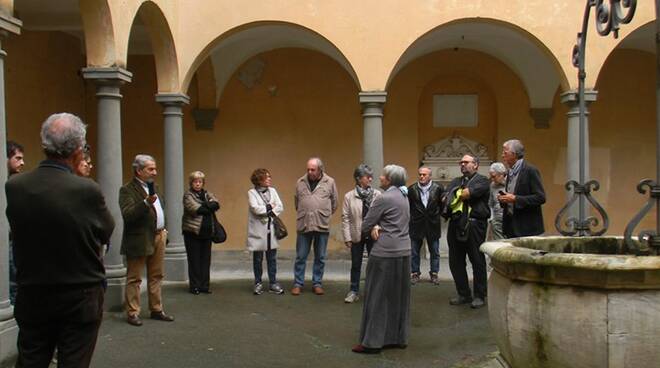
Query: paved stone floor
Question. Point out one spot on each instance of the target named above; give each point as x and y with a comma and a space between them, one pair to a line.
233, 328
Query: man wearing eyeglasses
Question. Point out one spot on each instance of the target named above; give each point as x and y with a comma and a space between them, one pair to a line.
466, 206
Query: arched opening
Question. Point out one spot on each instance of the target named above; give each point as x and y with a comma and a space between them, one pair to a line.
506, 82
284, 94
623, 125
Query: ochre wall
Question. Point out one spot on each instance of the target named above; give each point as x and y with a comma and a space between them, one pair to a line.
503, 114
315, 112
623, 131
41, 78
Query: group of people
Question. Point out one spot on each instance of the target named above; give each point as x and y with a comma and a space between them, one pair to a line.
60, 293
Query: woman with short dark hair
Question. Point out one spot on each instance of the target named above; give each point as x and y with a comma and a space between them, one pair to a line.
199, 207
356, 206
386, 311
264, 203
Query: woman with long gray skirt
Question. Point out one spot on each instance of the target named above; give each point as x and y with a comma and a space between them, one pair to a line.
386, 311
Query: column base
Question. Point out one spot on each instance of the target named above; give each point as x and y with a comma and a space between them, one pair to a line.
8, 338
114, 294
176, 264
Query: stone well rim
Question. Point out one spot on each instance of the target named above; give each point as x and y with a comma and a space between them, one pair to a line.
602, 271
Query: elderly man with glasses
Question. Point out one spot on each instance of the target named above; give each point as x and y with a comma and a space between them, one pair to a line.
466, 207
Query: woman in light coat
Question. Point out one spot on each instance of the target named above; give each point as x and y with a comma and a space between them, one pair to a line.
199, 207
264, 202
356, 206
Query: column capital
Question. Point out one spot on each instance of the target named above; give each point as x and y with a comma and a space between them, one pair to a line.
172, 99
373, 97
571, 97
107, 74
10, 24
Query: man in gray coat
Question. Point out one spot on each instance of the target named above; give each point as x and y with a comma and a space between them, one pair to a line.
315, 200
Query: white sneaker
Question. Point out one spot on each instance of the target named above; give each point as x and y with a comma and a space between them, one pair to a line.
351, 297
258, 288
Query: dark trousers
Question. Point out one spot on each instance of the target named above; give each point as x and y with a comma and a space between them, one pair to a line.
199, 261
457, 252
66, 317
271, 264
357, 252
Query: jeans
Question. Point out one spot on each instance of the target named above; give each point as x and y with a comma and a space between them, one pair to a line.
271, 264
434, 249
303, 244
357, 251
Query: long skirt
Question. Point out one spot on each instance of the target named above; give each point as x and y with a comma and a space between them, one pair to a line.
386, 311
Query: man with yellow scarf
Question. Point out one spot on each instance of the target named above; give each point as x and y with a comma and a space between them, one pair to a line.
466, 207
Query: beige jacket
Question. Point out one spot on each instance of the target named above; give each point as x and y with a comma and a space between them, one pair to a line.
315, 208
351, 215
191, 221
257, 228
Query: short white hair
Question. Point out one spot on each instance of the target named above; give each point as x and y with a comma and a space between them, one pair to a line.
62, 134
140, 161
395, 174
498, 168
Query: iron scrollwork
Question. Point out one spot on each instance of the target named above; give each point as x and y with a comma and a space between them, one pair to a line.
649, 240
575, 226
609, 16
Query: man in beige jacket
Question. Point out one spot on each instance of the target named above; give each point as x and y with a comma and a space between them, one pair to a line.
315, 200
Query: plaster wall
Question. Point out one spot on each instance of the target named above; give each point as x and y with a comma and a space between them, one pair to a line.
362, 39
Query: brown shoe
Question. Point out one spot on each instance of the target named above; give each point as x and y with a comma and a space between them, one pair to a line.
134, 320
318, 290
296, 290
161, 316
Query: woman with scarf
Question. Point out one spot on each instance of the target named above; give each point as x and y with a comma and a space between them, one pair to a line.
264, 203
386, 311
355, 208
199, 207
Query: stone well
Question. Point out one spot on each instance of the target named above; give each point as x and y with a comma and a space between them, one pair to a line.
573, 302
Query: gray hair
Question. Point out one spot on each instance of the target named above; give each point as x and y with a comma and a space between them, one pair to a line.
516, 146
363, 170
140, 161
396, 175
498, 168
319, 163
62, 134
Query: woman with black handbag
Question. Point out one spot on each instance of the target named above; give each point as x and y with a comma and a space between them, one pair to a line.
199, 207
264, 206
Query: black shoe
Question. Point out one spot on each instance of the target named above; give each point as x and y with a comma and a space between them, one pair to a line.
161, 316
134, 320
460, 300
360, 349
477, 303
194, 291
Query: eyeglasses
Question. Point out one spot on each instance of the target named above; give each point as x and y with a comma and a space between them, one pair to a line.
465, 162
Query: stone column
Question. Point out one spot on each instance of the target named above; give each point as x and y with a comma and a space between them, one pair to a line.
8, 327
570, 99
372, 115
109, 169
176, 265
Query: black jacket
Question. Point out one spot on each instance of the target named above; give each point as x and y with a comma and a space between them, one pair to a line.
479, 187
527, 219
425, 221
59, 222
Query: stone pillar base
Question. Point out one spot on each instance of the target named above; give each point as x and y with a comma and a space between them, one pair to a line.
8, 338
176, 264
114, 294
